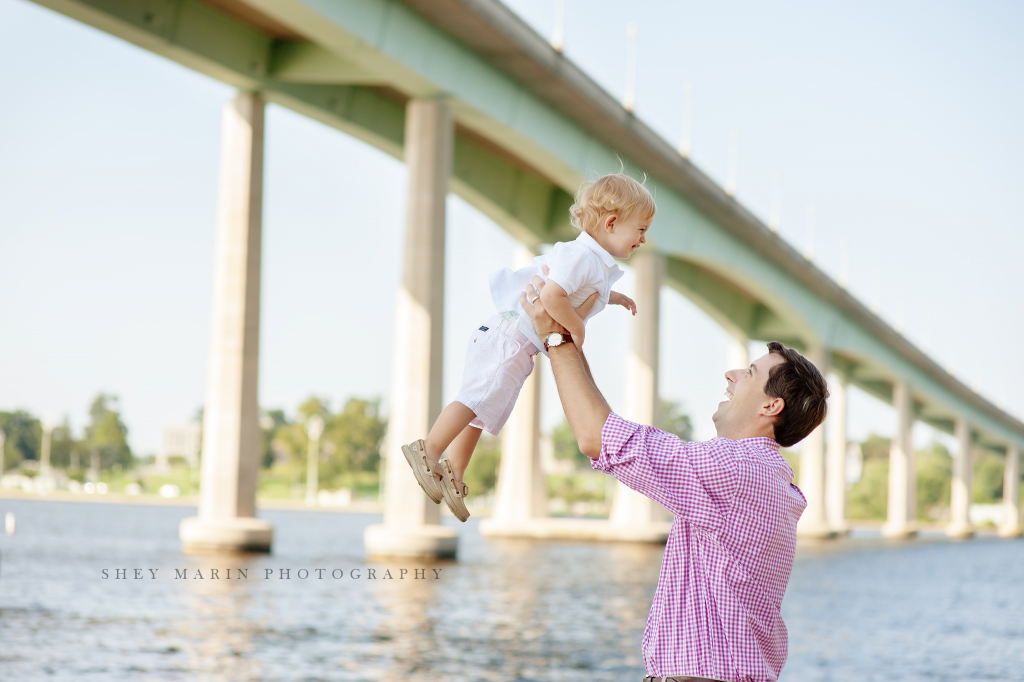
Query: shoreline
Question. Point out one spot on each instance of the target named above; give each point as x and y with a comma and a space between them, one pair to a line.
931, 529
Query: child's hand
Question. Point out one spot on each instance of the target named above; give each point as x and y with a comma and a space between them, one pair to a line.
625, 301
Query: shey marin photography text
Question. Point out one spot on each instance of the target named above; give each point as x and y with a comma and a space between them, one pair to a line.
271, 574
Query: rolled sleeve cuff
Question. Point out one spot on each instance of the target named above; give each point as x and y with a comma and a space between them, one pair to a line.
615, 433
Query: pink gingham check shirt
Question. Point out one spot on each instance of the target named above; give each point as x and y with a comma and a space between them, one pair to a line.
716, 612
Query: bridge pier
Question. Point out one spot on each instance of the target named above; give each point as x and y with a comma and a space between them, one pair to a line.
522, 497
835, 455
814, 522
231, 432
632, 511
960, 496
902, 512
1011, 526
411, 526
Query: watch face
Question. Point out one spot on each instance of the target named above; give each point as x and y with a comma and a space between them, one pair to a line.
555, 339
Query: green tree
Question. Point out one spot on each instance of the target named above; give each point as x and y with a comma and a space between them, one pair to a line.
352, 439
271, 422
482, 473
868, 498
106, 434
674, 420
563, 440
934, 481
988, 478
22, 434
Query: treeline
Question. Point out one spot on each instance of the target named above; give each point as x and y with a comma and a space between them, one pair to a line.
868, 498
105, 437
350, 443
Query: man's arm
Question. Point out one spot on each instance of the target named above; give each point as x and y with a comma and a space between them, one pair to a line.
584, 406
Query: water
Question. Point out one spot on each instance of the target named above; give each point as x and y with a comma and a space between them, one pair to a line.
507, 610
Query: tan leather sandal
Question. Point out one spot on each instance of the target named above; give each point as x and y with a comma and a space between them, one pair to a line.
454, 491
427, 471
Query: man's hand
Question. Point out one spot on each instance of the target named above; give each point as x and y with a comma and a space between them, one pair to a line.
542, 322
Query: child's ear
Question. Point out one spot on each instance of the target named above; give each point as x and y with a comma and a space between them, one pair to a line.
609, 223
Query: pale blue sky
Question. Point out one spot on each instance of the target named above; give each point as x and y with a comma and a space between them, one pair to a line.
898, 122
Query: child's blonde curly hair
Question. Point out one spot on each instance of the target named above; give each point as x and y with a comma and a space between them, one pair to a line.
615, 193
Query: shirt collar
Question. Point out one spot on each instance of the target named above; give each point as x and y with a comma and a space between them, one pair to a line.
592, 244
760, 441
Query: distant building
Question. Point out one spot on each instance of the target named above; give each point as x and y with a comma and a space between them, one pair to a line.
180, 440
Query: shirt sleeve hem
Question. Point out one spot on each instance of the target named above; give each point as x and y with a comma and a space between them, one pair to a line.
615, 433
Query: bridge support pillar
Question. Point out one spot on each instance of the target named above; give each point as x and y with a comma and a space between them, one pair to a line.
835, 455
231, 433
522, 494
1011, 526
902, 512
630, 509
814, 522
960, 496
411, 521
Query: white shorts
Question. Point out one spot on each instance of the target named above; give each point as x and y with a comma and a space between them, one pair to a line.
498, 360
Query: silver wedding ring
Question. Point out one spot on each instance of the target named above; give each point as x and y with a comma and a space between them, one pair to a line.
532, 300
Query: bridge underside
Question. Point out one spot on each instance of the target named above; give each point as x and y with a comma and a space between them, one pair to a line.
332, 76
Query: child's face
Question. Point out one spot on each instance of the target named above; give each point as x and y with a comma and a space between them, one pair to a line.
623, 237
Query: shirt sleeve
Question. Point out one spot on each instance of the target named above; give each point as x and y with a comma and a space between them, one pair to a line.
569, 266
691, 480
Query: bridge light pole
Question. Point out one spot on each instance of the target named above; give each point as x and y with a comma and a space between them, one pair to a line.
629, 98
809, 233
733, 170
314, 429
775, 219
685, 144
558, 34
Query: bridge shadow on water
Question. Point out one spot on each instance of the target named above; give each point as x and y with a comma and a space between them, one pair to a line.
506, 610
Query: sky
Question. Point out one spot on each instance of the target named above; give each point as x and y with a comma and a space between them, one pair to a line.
896, 124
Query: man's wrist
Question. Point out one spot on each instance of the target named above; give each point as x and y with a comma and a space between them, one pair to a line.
556, 340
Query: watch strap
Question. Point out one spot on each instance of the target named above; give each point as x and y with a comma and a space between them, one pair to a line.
566, 338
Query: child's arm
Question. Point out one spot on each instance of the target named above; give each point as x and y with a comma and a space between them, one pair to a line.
556, 302
625, 301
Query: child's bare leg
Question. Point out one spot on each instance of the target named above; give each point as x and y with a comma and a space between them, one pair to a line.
461, 450
451, 422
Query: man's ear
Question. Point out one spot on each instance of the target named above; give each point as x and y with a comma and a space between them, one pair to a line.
772, 407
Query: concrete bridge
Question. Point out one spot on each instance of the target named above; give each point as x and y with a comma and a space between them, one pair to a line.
478, 104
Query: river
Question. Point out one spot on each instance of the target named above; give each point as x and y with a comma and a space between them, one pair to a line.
860, 609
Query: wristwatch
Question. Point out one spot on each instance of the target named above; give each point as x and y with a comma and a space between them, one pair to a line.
556, 339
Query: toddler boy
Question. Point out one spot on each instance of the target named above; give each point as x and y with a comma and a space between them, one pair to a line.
613, 215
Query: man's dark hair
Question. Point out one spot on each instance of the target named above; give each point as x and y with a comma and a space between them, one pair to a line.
801, 385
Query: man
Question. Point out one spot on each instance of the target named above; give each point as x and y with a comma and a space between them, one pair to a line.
716, 611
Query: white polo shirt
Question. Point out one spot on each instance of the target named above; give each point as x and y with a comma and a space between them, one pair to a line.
581, 267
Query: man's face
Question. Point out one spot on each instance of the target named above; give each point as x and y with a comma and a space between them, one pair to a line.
746, 402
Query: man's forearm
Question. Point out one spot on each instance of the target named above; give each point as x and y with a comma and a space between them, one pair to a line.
585, 408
